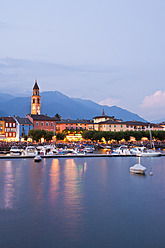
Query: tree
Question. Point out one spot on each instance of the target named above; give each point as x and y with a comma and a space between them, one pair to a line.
57, 116
60, 136
37, 134
49, 135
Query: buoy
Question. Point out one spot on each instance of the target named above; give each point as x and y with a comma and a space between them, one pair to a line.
151, 173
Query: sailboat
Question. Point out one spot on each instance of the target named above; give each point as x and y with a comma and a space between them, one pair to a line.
149, 152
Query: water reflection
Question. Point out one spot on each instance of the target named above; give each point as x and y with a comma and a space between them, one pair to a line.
73, 195
8, 191
54, 180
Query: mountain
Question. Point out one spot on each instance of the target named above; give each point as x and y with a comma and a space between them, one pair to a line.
53, 102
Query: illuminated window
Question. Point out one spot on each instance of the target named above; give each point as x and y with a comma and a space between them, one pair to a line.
13, 124
6, 134
6, 124
9, 124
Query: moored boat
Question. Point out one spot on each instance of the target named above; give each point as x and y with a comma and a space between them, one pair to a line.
138, 169
37, 158
15, 151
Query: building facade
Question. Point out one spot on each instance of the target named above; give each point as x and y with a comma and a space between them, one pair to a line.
2, 129
73, 125
10, 128
43, 122
23, 126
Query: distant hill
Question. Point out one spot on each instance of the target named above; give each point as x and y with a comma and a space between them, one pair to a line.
53, 102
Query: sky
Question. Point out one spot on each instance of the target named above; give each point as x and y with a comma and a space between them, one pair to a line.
111, 52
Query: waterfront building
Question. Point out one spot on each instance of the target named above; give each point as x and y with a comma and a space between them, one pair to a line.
10, 128
36, 100
103, 118
162, 124
74, 125
23, 126
112, 126
158, 127
43, 122
117, 126
2, 129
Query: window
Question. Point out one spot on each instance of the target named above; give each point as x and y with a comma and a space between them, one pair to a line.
37, 124
6, 134
47, 123
13, 124
110, 130
121, 125
114, 130
38, 100
33, 100
42, 123
51, 124
109, 125
9, 124
6, 124
10, 134
13, 134
114, 125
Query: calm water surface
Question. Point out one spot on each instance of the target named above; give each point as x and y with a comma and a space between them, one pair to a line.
82, 202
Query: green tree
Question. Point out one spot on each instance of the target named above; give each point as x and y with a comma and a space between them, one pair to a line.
37, 134
60, 136
57, 116
49, 135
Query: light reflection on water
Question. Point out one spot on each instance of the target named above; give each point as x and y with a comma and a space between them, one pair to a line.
77, 202
8, 186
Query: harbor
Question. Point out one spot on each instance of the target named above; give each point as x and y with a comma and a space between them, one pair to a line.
81, 202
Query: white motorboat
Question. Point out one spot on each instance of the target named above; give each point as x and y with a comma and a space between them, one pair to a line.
88, 149
137, 150
47, 150
37, 158
149, 153
30, 151
138, 169
123, 150
15, 151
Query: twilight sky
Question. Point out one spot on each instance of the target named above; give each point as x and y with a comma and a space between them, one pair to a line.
112, 52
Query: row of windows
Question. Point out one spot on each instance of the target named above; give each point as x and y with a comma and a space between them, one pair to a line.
38, 100
10, 135
42, 124
75, 124
10, 129
10, 124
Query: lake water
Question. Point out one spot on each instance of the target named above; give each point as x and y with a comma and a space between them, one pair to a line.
82, 202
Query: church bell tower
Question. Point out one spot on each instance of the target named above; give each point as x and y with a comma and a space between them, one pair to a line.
36, 100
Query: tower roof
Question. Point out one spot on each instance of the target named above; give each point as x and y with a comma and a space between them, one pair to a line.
36, 86
103, 114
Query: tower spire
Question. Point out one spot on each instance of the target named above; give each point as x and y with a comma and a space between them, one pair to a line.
103, 114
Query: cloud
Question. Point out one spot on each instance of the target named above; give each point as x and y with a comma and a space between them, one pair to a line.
155, 101
152, 106
109, 101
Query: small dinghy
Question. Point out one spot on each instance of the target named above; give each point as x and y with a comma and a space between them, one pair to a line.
37, 158
138, 169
